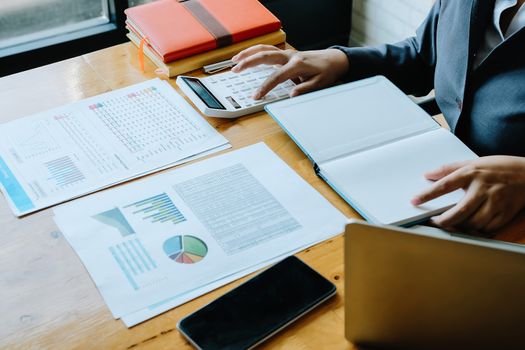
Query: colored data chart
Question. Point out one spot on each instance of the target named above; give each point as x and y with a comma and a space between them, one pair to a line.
159, 208
63, 171
116, 219
135, 263
185, 249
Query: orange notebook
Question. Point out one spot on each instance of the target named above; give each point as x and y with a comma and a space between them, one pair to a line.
180, 29
194, 62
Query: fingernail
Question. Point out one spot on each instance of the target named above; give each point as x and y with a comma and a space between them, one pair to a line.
257, 96
416, 201
235, 58
235, 69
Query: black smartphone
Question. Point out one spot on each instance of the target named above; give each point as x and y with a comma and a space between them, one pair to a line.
259, 308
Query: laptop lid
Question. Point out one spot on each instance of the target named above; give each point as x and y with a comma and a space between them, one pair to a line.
418, 290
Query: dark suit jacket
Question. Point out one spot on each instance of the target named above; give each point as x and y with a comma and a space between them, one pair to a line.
484, 107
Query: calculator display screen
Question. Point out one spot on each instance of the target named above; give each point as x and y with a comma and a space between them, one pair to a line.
204, 94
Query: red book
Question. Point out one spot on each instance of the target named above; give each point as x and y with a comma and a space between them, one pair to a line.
180, 29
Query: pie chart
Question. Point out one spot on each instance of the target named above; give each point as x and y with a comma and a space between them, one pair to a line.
185, 249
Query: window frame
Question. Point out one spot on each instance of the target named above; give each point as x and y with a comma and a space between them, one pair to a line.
63, 46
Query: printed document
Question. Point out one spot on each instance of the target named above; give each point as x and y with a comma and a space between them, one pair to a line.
66, 152
156, 243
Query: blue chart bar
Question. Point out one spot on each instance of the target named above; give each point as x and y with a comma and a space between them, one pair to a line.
63, 171
159, 208
14, 189
133, 260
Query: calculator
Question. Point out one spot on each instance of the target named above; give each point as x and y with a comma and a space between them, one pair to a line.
229, 95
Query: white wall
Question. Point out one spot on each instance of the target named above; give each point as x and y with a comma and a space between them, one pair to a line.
386, 21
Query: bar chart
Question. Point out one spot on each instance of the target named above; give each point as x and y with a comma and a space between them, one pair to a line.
157, 209
136, 264
63, 172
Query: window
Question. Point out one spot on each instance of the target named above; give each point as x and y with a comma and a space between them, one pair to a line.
38, 32
29, 24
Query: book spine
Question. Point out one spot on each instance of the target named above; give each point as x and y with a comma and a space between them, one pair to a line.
188, 64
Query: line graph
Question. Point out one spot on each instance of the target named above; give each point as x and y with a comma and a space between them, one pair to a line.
37, 143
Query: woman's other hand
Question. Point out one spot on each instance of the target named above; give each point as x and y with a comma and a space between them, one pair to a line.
494, 192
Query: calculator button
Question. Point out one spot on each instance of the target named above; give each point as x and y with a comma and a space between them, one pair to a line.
233, 102
237, 90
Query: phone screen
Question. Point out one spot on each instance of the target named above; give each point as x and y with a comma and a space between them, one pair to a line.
258, 308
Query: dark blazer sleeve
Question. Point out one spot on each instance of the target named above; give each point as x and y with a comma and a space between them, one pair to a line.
410, 64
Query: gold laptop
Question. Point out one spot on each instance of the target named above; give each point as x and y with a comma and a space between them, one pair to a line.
427, 289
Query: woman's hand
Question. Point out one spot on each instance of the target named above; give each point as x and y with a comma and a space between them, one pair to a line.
494, 192
313, 69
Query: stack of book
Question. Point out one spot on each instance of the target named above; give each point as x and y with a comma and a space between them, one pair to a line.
181, 36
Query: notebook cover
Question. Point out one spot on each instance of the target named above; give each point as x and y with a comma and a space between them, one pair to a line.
189, 64
174, 32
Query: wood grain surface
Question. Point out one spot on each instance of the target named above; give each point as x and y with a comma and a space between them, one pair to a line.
47, 299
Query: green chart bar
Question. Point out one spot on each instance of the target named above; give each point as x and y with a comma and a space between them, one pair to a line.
159, 208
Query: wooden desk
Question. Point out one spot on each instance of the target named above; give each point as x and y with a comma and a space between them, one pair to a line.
48, 299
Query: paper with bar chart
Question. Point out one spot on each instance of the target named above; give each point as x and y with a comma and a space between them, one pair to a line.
154, 244
66, 152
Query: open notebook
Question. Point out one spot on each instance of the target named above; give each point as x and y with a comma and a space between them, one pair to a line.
372, 145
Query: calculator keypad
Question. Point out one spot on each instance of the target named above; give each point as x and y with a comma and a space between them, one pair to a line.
236, 89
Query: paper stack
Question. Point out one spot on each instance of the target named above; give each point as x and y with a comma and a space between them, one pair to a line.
157, 243
70, 151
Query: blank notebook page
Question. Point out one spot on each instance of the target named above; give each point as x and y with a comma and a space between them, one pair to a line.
341, 120
382, 181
